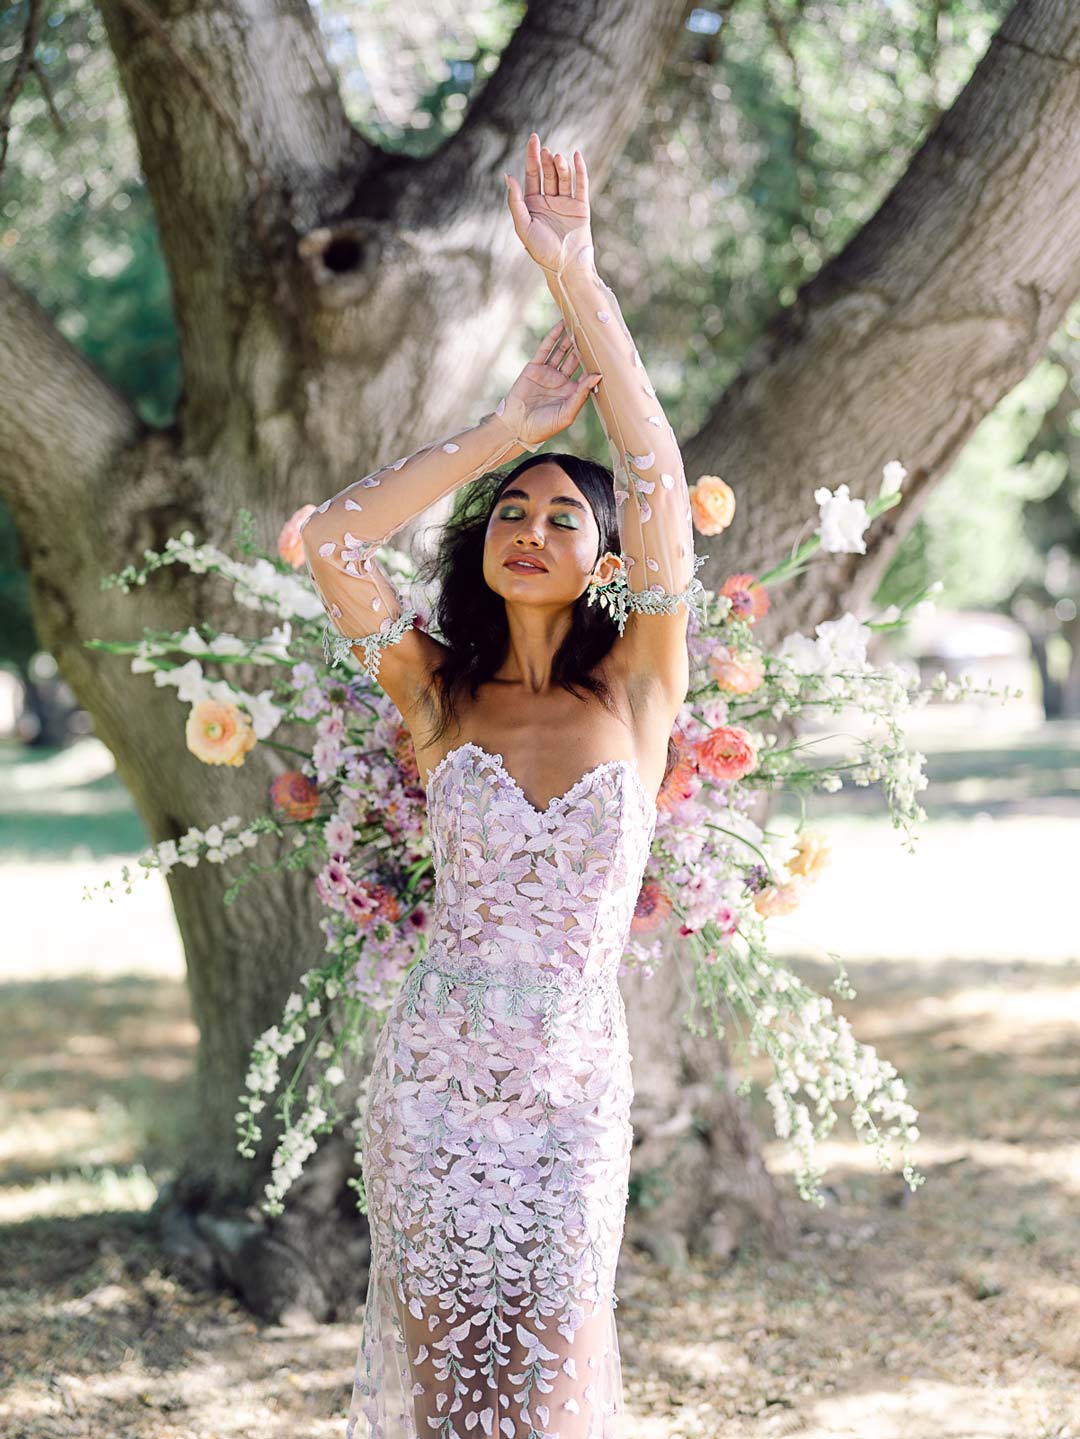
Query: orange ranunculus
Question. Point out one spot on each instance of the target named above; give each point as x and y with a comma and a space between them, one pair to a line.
812, 855
289, 544
405, 754
712, 503
293, 795
726, 752
749, 599
652, 908
218, 733
780, 899
678, 784
739, 672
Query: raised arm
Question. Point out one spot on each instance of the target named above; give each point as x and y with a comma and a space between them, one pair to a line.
342, 535
656, 530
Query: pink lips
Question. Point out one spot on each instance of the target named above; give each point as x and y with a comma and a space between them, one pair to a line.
532, 565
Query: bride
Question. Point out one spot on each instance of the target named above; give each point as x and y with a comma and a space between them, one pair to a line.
496, 1137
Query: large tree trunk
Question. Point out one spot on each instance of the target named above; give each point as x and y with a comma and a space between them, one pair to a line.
338, 306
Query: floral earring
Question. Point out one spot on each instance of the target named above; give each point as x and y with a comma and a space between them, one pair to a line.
612, 595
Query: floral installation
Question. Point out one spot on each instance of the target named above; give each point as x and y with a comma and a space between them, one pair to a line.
353, 802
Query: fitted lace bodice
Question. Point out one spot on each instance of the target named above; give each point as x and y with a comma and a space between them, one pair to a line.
556, 885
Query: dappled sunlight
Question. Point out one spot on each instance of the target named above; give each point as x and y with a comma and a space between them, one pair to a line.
953, 1312
975, 888
96, 1191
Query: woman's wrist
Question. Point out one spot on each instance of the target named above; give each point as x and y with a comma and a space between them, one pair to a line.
509, 415
576, 252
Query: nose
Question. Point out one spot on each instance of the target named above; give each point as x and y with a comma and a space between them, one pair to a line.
529, 536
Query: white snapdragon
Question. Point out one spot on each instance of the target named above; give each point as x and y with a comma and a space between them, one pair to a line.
843, 521
893, 475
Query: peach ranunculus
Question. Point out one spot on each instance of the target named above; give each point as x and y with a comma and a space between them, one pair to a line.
726, 752
780, 898
680, 781
652, 908
739, 672
289, 544
218, 733
749, 599
712, 503
293, 795
812, 855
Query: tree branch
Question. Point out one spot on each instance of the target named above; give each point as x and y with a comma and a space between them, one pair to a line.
244, 142
24, 64
575, 70
61, 424
939, 305
578, 72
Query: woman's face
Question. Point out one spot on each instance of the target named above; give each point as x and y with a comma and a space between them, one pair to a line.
541, 516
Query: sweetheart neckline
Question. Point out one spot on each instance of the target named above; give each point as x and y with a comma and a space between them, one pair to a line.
556, 800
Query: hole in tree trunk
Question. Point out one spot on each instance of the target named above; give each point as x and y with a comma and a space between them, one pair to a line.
342, 254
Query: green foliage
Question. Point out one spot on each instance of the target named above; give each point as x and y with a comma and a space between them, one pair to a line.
776, 130
76, 225
971, 534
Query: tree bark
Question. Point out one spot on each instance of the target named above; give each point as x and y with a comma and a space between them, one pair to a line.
936, 308
339, 306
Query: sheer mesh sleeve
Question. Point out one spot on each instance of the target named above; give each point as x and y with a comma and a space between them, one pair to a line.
341, 536
655, 526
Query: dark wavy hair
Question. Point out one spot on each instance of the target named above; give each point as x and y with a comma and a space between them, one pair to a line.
471, 617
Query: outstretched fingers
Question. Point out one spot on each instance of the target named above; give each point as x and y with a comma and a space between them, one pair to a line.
551, 176
532, 165
543, 350
519, 211
581, 177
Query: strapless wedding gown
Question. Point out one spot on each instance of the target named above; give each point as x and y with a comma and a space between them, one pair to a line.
496, 1141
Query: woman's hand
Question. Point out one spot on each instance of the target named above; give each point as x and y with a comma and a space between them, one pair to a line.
545, 398
543, 221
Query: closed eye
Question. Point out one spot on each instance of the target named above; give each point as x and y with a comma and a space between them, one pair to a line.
571, 521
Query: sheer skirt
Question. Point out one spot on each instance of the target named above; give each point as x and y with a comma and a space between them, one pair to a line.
496, 1161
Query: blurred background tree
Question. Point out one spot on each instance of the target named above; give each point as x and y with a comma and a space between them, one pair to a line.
766, 144
743, 217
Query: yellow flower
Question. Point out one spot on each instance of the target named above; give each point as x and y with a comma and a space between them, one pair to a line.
712, 503
218, 733
738, 672
812, 855
780, 899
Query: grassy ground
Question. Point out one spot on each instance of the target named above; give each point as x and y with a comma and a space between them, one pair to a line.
952, 1312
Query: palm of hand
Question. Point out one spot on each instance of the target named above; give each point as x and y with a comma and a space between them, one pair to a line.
551, 401
554, 203
551, 219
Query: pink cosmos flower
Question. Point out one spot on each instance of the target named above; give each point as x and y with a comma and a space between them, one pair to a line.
726, 919
749, 599
652, 908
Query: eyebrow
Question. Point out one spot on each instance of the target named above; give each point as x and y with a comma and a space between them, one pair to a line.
557, 500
